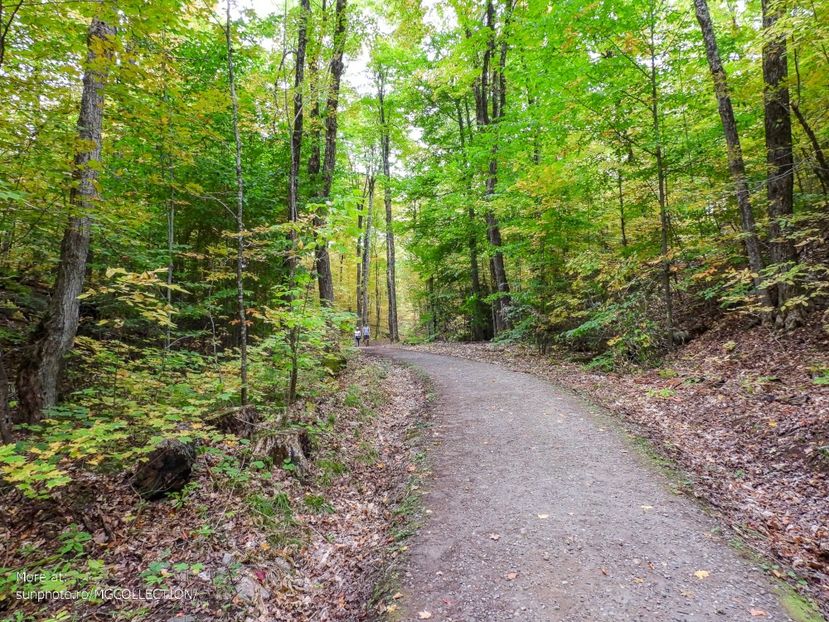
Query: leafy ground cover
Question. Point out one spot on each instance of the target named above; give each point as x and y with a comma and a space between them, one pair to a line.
744, 414
246, 539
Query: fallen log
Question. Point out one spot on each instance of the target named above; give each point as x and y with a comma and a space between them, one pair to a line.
167, 469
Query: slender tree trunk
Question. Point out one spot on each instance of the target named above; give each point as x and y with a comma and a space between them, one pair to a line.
5, 421
733, 149
779, 157
323, 260
293, 181
621, 208
661, 191
240, 217
37, 382
377, 301
385, 147
479, 319
366, 267
171, 240
822, 167
6, 20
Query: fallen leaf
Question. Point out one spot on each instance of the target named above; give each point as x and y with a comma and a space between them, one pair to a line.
397, 596
701, 574
391, 608
758, 613
647, 507
604, 571
510, 576
543, 516
494, 536
424, 615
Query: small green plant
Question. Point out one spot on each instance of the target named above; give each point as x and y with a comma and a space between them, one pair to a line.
318, 505
156, 573
330, 470
820, 375
73, 541
352, 396
662, 394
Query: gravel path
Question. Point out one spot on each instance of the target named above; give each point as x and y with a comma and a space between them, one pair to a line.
539, 510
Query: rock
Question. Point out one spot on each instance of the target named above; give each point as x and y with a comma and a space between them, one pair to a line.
247, 588
167, 469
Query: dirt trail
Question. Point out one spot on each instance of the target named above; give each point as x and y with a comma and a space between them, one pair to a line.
539, 510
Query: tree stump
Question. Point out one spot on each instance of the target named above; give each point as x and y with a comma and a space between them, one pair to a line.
242, 422
167, 470
293, 446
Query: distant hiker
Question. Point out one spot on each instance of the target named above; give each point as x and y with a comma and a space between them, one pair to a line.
357, 335
365, 334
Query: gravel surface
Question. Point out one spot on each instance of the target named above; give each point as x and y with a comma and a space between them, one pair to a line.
538, 509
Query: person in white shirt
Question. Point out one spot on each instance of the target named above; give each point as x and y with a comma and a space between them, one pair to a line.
357, 335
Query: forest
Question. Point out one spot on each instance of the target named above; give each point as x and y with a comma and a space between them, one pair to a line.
203, 203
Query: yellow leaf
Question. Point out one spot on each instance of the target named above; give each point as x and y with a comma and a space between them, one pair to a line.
424, 615
701, 574
543, 516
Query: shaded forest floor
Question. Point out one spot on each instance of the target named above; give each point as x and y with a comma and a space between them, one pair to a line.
245, 540
743, 415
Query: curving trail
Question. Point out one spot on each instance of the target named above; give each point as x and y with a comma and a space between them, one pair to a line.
540, 510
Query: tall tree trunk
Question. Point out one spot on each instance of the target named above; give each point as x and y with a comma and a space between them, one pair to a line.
479, 319
293, 181
323, 259
385, 147
779, 158
377, 301
315, 159
366, 267
171, 240
240, 217
733, 149
498, 98
37, 380
661, 189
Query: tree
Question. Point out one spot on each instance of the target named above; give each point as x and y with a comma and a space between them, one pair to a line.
732, 139
37, 382
323, 260
385, 147
293, 179
780, 161
240, 215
